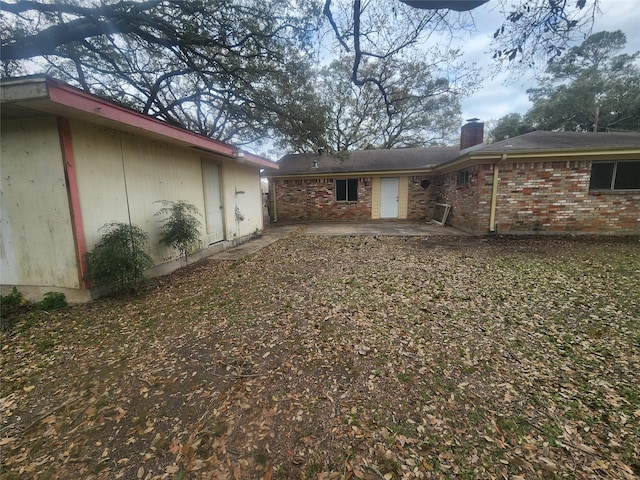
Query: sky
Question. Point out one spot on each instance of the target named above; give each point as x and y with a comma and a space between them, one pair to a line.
500, 95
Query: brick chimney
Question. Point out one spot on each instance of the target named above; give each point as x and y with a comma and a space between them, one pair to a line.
471, 134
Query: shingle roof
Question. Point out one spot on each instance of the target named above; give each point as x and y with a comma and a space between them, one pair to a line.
408, 159
367, 161
554, 141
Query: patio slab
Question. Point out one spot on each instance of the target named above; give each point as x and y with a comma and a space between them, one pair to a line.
273, 233
381, 228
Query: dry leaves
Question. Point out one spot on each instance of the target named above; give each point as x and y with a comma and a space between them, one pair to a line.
337, 358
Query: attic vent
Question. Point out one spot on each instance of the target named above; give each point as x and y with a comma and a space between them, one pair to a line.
315, 163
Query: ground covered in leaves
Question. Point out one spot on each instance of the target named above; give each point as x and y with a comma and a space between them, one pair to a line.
341, 357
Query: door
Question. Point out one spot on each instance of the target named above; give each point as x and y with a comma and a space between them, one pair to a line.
213, 202
389, 198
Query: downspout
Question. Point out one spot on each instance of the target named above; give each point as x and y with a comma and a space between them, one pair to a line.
494, 195
273, 200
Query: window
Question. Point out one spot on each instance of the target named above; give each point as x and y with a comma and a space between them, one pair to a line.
615, 175
347, 190
462, 178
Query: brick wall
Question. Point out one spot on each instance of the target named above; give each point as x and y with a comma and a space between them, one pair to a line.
470, 204
420, 200
539, 197
303, 200
555, 197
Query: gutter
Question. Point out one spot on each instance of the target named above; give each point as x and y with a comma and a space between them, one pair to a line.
274, 203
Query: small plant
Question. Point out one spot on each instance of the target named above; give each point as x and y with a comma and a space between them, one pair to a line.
119, 258
52, 301
10, 304
10, 301
181, 229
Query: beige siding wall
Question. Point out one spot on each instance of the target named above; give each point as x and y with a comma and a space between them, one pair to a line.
37, 247
403, 197
121, 175
375, 198
107, 161
242, 194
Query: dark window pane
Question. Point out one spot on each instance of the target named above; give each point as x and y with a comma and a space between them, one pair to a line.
462, 178
601, 174
627, 176
352, 195
341, 190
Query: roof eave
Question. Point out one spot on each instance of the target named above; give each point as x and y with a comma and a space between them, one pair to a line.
355, 173
475, 157
68, 97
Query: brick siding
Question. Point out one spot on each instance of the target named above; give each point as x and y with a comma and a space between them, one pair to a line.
421, 201
314, 199
470, 204
539, 197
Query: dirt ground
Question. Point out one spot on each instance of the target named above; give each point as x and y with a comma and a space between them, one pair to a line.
340, 357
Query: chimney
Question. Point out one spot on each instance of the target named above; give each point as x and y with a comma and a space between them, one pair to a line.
471, 134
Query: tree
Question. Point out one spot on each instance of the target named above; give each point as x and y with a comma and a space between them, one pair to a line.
589, 89
533, 29
510, 126
373, 32
539, 31
234, 71
420, 106
242, 71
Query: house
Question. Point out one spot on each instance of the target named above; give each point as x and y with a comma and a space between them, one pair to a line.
540, 182
73, 162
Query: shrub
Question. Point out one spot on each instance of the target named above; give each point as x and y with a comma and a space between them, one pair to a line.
10, 302
10, 305
52, 301
119, 259
12, 299
181, 229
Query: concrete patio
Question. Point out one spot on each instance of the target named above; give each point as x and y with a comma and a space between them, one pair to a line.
272, 233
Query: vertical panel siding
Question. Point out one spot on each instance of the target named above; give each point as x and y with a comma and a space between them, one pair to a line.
375, 198
107, 161
36, 245
241, 189
100, 178
403, 197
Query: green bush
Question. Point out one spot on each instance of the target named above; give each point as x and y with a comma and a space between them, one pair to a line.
119, 259
181, 229
52, 301
12, 299
10, 302
10, 305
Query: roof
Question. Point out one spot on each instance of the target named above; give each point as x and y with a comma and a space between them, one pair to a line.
558, 141
400, 159
40, 95
439, 158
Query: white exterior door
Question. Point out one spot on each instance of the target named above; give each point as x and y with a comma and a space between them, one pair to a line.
213, 202
389, 198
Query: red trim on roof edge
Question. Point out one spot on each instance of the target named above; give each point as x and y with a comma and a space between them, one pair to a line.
69, 96
69, 164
